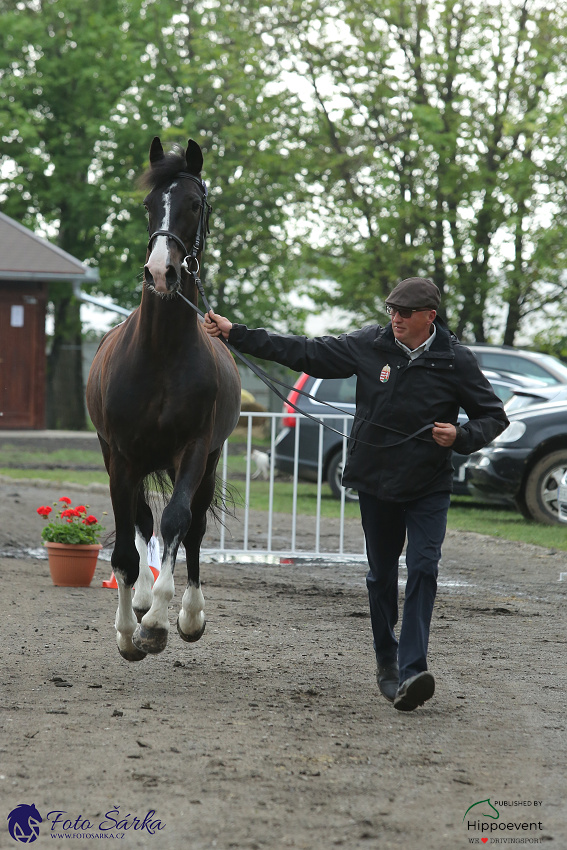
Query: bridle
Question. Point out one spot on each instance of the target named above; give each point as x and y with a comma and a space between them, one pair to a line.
190, 262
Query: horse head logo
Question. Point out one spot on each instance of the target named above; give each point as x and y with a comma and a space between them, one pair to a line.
23, 823
484, 814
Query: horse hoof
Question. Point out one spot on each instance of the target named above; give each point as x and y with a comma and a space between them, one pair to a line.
139, 612
132, 654
194, 637
150, 640
127, 649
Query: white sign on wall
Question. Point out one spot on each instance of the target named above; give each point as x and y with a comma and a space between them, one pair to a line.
17, 316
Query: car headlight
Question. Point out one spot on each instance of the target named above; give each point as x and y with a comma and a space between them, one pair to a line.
513, 432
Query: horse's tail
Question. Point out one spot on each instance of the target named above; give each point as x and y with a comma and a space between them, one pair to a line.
158, 487
225, 500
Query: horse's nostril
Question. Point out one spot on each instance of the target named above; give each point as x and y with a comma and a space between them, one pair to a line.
148, 277
172, 276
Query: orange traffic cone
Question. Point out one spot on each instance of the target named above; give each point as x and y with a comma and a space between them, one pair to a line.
154, 559
111, 582
154, 563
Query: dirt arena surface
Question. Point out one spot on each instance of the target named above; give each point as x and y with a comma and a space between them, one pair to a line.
270, 732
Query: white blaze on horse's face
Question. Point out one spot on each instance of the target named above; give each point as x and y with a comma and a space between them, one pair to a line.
159, 263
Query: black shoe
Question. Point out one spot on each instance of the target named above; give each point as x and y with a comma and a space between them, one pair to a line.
414, 692
388, 678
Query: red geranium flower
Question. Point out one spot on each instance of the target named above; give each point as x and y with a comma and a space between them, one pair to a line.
70, 525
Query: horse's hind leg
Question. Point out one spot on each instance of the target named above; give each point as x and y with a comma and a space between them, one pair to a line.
191, 620
152, 632
142, 600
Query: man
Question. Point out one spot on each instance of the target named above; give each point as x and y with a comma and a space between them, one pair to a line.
412, 378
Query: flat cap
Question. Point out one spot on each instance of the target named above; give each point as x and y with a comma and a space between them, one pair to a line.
415, 293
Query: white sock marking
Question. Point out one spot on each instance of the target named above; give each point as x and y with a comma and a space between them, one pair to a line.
192, 613
125, 622
143, 587
162, 594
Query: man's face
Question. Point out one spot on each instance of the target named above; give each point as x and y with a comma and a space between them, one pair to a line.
415, 330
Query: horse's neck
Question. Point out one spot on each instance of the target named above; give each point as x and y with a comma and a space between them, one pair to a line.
166, 323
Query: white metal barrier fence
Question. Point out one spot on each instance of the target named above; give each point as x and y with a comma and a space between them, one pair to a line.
264, 532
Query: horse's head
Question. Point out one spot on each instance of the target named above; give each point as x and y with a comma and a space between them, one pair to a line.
177, 215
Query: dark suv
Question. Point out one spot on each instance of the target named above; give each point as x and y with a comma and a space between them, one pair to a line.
523, 467
341, 393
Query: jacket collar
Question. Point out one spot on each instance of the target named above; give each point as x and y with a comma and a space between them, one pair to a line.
442, 345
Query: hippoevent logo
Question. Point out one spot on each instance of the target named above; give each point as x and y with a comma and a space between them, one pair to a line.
24, 822
484, 822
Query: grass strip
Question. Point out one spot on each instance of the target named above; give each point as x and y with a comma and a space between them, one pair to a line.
464, 515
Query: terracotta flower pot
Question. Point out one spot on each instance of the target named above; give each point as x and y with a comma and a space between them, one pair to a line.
72, 565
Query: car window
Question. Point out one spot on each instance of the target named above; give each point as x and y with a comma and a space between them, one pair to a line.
515, 363
503, 391
338, 390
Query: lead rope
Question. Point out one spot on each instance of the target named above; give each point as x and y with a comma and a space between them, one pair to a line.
269, 382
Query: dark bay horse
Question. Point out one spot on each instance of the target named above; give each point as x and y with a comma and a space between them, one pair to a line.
163, 396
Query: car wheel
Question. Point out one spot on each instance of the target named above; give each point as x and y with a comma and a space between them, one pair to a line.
334, 475
540, 492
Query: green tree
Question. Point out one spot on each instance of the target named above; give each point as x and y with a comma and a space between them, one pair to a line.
65, 65
436, 146
85, 87
208, 76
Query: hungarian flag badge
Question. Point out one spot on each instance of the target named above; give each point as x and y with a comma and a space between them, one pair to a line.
385, 374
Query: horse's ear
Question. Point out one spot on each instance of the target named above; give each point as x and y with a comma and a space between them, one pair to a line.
194, 158
156, 150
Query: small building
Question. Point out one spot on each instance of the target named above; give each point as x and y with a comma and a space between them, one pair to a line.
27, 264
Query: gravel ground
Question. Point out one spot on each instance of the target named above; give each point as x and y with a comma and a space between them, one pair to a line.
270, 731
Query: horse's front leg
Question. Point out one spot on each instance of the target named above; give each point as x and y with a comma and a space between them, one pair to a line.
152, 632
125, 562
191, 621
125, 622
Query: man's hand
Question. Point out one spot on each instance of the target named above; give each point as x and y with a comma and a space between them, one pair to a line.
216, 325
444, 434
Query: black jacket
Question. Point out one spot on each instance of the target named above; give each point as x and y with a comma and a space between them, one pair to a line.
394, 402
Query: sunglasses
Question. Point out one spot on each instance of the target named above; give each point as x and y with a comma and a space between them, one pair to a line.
405, 312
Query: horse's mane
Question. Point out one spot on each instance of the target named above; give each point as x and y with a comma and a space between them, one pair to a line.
164, 170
